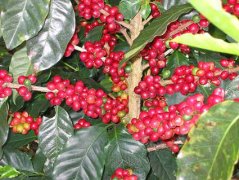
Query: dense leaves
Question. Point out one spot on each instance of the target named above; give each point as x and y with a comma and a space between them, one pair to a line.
22, 20
212, 145
51, 42
83, 156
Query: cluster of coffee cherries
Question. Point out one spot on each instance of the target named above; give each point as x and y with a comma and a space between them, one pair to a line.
70, 47
118, 76
82, 123
123, 174
94, 103
185, 79
111, 17
94, 55
90, 8
22, 123
232, 6
154, 54
25, 90
167, 123
5, 77
154, 10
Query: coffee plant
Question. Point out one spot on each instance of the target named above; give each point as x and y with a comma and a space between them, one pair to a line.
119, 89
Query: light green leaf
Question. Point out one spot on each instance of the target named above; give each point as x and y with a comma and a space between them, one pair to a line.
54, 132
125, 152
48, 47
213, 145
4, 127
20, 64
215, 13
83, 156
206, 41
145, 9
156, 28
163, 164
129, 8
8, 172
22, 20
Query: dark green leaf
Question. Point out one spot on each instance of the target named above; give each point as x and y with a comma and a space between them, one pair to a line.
41, 103
83, 156
48, 47
125, 152
107, 83
156, 28
8, 172
17, 159
176, 59
22, 20
95, 34
3, 123
54, 132
38, 161
163, 163
129, 8
212, 148
18, 140
122, 46
170, 3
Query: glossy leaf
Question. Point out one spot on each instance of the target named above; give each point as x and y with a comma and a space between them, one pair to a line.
4, 127
95, 34
48, 47
215, 13
156, 28
163, 163
206, 41
125, 152
129, 8
212, 148
17, 159
231, 90
83, 156
8, 172
22, 20
54, 132
19, 140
